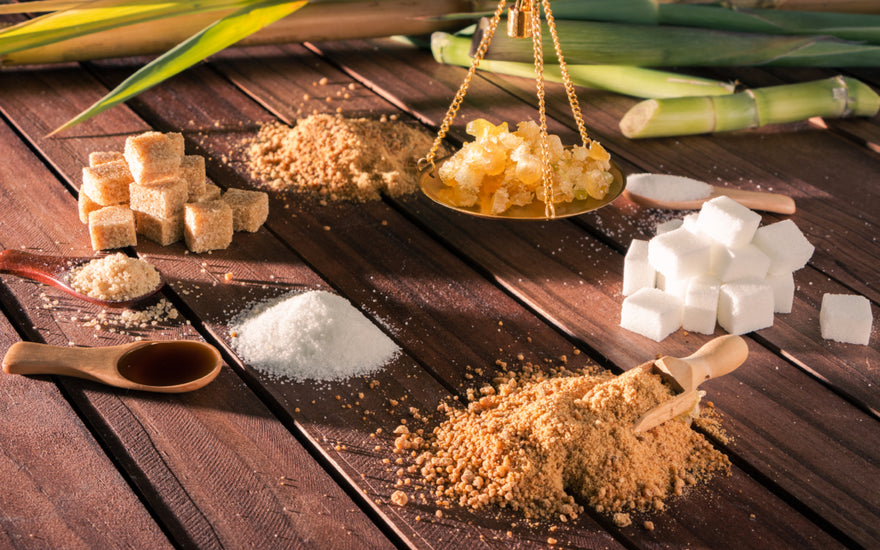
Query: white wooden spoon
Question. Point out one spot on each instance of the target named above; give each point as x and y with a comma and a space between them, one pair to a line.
756, 200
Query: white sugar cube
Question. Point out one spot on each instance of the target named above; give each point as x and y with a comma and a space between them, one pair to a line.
846, 318
651, 313
676, 287
637, 271
689, 222
701, 304
730, 264
788, 248
782, 285
744, 306
680, 254
668, 226
728, 222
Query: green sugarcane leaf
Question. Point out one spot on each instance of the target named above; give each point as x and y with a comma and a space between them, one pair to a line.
212, 39
91, 17
40, 6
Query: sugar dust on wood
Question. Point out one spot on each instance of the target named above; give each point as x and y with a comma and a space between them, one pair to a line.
314, 335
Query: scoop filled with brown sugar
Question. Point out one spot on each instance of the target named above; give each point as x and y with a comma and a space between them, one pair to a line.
543, 443
115, 278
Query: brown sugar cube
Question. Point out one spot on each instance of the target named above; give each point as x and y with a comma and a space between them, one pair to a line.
107, 184
163, 199
211, 193
112, 227
163, 231
103, 157
154, 156
86, 206
192, 172
207, 225
249, 208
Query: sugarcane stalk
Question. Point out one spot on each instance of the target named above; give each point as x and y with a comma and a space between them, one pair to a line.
623, 79
858, 27
316, 22
587, 42
843, 6
834, 97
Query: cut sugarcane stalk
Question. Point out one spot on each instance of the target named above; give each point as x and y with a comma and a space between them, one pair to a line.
622, 79
834, 97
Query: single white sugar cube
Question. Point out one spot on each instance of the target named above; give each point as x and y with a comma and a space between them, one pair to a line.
788, 248
745, 305
689, 222
728, 222
846, 318
676, 287
782, 285
668, 226
651, 313
637, 271
730, 264
701, 304
680, 254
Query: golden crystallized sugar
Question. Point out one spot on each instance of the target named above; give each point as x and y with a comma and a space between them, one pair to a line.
537, 441
115, 278
500, 169
112, 227
339, 158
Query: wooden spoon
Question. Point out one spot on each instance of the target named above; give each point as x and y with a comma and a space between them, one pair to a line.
55, 271
756, 200
715, 358
169, 366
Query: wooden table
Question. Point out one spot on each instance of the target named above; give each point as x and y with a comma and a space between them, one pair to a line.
250, 462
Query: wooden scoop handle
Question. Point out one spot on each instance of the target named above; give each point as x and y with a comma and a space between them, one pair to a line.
88, 363
758, 200
715, 358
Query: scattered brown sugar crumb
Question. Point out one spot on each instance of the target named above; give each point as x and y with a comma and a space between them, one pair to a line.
399, 498
538, 440
622, 519
337, 158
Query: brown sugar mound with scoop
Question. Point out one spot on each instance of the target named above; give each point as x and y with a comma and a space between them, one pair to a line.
338, 158
537, 441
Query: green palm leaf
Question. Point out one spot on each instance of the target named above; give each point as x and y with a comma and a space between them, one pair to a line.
212, 39
91, 17
40, 6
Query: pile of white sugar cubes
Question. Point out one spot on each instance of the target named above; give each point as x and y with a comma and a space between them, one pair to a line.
719, 265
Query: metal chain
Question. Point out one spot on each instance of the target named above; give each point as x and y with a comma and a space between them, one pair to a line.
538, 47
462, 90
566, 79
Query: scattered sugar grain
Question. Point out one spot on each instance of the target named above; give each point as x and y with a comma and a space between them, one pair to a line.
314, 335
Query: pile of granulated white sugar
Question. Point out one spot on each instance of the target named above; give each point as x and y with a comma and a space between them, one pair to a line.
314, 335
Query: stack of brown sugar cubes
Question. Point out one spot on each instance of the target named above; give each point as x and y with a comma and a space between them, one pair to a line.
155, 190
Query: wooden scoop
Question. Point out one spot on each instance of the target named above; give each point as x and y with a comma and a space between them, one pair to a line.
55, 271
170, 366
715, 358
756, 200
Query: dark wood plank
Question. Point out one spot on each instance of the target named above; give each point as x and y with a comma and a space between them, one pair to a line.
499, 249
214, 466
393, 282
60, 489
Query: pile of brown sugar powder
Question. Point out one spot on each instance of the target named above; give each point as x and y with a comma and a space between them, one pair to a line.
338, 158
537, 441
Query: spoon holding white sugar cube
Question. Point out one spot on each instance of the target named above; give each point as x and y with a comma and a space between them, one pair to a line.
682, 193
